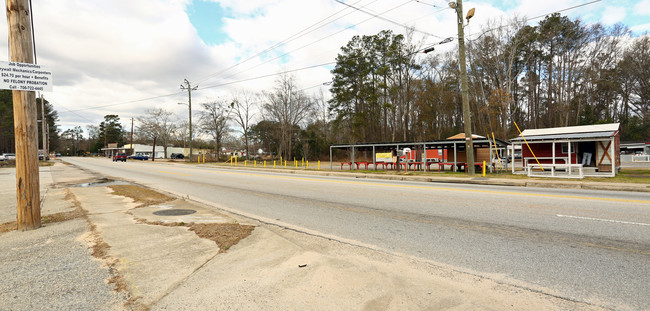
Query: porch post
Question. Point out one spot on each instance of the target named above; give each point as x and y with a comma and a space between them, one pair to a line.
352, 164
374, 158
570, 157
612, 152
455, 157
330, 158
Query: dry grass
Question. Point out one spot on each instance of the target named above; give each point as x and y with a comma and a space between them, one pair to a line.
141, 195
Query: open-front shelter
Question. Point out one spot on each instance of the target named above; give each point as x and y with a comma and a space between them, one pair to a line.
574, 151
446, 152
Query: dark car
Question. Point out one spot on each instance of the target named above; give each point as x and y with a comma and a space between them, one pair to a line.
119, 157
177, 156
140, 157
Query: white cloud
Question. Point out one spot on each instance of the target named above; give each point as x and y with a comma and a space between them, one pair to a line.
613, 15
642, 8
106, 52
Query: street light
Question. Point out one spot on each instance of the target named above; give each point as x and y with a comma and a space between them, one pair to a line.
467, 117
429, 49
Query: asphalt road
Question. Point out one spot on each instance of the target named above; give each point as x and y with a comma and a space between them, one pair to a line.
591, 246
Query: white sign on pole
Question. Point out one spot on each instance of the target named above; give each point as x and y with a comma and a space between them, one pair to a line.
25, 77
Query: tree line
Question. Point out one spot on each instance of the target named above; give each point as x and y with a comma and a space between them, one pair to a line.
560, 72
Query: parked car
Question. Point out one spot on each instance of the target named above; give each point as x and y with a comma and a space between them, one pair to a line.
119, 157
42, 157
8, 156
140, 157
177, 156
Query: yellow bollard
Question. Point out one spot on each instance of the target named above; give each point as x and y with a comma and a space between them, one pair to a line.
204, 158
285, 163
273, 163
245, 163
264, 163
295, 163
302, 163
483, 168
198, 159
319, 165
236, 159
255, 163
307, 164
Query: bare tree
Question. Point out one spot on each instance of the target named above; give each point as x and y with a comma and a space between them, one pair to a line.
243, 105
158, 123
289, 107
214, 122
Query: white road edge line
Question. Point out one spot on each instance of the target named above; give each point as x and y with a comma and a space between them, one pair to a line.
605, 220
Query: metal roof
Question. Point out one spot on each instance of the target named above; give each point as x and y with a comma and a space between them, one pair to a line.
576, 136
570, 132
573, 129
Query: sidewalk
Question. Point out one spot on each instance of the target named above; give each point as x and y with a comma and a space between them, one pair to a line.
118, 256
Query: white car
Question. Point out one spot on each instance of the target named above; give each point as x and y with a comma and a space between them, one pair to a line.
8, 156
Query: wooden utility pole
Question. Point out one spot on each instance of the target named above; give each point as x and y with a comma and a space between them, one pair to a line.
189, 89
21, 50
467, 115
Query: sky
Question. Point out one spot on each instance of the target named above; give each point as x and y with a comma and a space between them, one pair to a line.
124, 57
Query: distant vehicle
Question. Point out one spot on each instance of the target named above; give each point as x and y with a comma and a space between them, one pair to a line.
42, 157
7, 156
119, 157
140, 157
177, 156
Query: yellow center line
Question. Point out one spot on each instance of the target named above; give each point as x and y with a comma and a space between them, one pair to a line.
166, 172
560, 196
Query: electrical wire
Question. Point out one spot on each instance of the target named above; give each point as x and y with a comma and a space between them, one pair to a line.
321, 39
297, 35
536, 17
388, 20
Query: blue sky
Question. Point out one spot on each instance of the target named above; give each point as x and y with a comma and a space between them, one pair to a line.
125, 56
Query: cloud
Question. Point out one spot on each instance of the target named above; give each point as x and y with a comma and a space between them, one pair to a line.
642, 8
123, 56
613, 15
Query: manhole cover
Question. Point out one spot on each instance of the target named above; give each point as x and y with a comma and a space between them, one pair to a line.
174, 212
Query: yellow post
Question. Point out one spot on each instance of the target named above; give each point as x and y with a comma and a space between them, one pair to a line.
245, 163
483, 168
204, 158
255, 163
264, 163
285, 163
531, 150
273, 163
319, 165
302, 163
236, 159
295, 163
198, 160
307, 164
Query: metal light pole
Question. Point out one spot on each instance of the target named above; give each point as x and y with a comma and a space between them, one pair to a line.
467, 116
189, 89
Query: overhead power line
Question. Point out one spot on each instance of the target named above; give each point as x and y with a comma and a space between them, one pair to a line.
295, 36
386, 19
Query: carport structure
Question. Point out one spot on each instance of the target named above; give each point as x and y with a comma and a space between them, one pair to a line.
450, 151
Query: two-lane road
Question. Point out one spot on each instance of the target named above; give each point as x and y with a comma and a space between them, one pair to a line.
591, 246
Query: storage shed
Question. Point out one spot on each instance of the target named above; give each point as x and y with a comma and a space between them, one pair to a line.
574, 151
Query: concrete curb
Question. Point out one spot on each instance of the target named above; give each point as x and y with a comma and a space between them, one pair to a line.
460, 180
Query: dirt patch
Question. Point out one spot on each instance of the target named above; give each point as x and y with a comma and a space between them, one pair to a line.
8, 226
224, 235
141, 195
49, 219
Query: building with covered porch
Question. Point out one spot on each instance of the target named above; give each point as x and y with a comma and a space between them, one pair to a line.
569, 152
